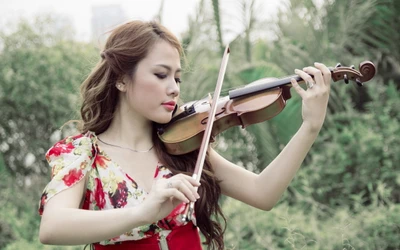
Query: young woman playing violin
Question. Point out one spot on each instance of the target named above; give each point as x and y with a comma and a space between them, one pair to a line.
114, 186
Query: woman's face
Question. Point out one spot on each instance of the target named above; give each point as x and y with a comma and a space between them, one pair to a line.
154, 91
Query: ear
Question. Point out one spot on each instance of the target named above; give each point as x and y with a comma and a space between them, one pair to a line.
121, 86
122, 83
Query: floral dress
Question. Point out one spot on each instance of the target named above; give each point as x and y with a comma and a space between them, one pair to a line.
108, 187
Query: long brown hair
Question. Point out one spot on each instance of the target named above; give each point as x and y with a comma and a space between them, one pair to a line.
126, 46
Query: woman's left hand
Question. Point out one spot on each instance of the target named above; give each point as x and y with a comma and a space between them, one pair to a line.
315, 98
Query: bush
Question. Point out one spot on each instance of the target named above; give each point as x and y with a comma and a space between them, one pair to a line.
36, 245
380, 228
6, 234
357, 155
288, 227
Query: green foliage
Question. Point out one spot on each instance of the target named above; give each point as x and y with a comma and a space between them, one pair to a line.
18, 214
40, 72
7, 234
382, 224
36, 245
357, 154
374, 24
215, 4
288, 227
19, 219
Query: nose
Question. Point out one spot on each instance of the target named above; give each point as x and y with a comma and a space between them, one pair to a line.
173, 88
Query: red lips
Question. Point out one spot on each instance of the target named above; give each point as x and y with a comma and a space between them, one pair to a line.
169, 103
170, 106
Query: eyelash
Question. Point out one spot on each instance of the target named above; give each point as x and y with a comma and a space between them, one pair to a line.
162, 76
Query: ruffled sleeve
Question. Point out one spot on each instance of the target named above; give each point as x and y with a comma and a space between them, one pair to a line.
70, 159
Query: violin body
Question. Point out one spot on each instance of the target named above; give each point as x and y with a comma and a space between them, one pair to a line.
252, 104
185, 135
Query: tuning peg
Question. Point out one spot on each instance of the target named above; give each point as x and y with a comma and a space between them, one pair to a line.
338, 65
352, 67
359, 83
346, 79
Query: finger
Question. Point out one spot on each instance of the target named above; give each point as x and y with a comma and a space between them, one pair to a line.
183, 186
190, 179
318, 79
326, 72
174, 193
297, 87
185, 189
306, 77
192, 188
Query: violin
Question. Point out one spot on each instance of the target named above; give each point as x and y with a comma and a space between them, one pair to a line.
256, 102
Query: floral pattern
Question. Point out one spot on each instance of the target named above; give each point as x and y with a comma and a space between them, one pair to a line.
72, 177
108, 187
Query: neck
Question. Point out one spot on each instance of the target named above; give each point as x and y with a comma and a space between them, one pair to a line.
262, 85
128, 130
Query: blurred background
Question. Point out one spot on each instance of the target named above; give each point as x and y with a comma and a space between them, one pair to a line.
347, 193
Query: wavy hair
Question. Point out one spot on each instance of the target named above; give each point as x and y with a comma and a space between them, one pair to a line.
126, 46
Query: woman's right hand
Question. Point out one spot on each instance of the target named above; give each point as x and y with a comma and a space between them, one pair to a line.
166, 194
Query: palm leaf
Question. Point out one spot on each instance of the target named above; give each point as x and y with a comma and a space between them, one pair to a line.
217, 19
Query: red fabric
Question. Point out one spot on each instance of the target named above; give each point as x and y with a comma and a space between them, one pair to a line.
181, 238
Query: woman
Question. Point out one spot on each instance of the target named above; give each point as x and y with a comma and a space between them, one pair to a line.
115, 187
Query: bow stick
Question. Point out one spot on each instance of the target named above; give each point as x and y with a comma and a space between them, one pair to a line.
207, 132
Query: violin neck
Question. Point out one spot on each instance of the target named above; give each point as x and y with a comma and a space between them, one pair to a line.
262, 85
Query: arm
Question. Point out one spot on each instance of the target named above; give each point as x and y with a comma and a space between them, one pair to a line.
63, 223
264, 190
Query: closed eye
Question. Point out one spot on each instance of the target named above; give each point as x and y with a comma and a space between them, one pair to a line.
161, 76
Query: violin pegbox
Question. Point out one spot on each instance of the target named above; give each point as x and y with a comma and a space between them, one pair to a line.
367, 72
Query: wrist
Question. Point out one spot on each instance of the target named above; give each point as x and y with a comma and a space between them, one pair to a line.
139, 215
311, 128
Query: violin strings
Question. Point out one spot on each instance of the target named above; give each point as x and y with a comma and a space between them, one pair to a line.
223, 92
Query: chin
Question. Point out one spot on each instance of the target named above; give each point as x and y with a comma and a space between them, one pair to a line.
163, 120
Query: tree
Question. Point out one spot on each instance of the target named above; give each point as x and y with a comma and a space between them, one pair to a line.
41, 68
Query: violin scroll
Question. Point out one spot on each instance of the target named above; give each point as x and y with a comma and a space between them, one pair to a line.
367, 72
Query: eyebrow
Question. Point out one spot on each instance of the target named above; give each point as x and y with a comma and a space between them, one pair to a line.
168, 67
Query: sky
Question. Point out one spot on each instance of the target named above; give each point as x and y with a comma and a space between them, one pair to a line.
175, 13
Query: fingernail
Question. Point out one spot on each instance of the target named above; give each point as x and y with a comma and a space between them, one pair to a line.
316, 63
296, 70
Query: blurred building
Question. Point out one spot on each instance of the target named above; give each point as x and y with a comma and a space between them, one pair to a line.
104, 19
